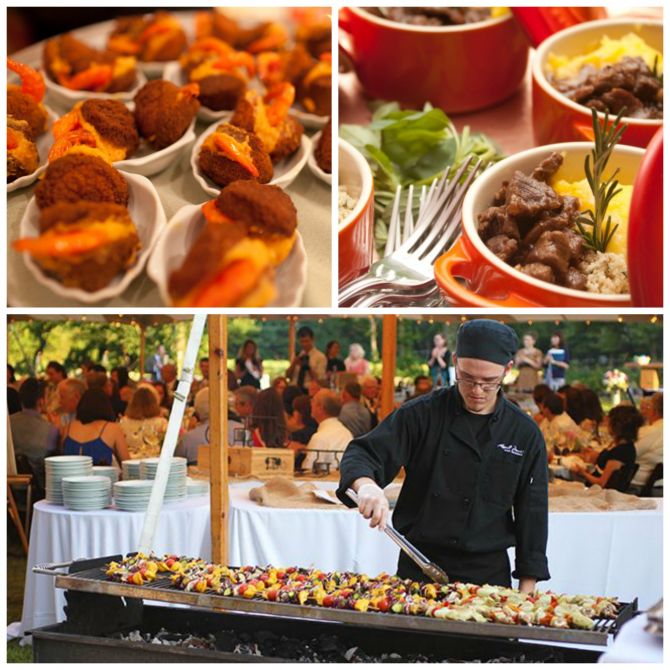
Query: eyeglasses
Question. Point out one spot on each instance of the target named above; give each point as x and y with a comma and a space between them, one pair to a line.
487, 387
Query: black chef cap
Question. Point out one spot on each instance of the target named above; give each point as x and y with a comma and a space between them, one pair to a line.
486, 340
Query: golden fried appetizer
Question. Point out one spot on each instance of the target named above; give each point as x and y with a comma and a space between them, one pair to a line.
291, 65
164, 111
231, 153
104, 128
84, 244
315, 88
268, 118
156, 37
77, 177
250, 228
22, 155
323, 152
221, 72
24, 102
75, 65
263, 37
315, 33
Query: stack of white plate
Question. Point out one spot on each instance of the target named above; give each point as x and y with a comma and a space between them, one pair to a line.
87, 493
176, 484
131, 469
196, 487
57, 467
133, 496
107, 471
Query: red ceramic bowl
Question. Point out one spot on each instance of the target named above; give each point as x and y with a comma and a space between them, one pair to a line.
472, 276
458, 68
355, 234
556, 118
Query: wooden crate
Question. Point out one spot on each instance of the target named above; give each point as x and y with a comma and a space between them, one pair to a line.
257, 462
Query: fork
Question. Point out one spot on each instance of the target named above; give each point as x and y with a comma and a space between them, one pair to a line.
431, 296
407, 265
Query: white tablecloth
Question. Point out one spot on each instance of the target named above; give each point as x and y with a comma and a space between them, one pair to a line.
58, 535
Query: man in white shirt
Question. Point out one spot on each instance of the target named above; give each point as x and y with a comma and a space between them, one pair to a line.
331, 435
309, 363
649, 445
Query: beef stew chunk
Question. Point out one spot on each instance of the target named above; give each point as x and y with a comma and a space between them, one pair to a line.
628, 84
437, 16
532, 227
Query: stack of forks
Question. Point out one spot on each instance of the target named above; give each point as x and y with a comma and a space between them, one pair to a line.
404, 276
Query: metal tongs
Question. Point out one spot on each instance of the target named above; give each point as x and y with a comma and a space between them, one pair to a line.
430, 569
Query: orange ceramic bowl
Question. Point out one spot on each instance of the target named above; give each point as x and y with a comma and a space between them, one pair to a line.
355, 234
556, 118
472, 276
458, 68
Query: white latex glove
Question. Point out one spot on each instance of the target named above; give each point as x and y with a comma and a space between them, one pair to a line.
373, 505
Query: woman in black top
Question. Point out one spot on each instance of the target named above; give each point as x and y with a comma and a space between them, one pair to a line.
335, 363
249, 366
624, 423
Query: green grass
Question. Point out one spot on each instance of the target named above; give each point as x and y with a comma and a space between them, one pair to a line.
16, 574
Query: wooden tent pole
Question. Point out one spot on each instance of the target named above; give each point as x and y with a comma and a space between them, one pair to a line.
291, 338
389, 350
218, 435
143, 344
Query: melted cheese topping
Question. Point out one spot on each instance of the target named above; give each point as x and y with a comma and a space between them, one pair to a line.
618, 208
609, 51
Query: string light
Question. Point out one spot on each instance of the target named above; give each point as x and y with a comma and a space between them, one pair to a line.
653, 319
620, 319
530, 322
463, 319
588, 322
431, 321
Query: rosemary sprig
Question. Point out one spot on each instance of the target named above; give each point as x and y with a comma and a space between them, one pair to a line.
597, 230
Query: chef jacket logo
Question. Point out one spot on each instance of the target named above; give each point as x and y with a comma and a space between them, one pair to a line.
511, 449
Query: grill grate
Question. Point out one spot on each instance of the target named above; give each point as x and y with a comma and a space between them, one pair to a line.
94, 580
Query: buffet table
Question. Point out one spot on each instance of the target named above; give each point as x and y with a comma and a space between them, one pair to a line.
58, 535
605, 553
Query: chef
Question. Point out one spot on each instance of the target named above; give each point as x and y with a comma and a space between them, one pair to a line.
475, 470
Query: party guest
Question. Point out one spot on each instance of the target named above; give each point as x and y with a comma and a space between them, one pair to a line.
268, 422
370, 390
528, 360
438, 363
249, 366
70, 392
309, 363
355, 363
332, 436
353, 415
649, 445
143, 426
335, 363
557, 361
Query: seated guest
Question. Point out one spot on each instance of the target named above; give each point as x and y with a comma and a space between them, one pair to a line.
13, 401
624, 422
96, 378
70, 392
189, 443
592, 412
315, 385
331, 436
244, 399
169, 378
164, 401
11, 377
33, 436
93, 431
143, 426
55, 373
291, 392
539, 393
573, 402
560, 430
123, 391
301, 426
649, 445
268, 422
422, 385
355, 362
353, 415
370, 390
279, 384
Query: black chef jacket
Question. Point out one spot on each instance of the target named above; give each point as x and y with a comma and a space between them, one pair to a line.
460, 496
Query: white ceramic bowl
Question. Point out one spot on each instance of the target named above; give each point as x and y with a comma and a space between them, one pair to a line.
314, 166
284, 172
308, 119
155, 69
66, 97
147, 213
480, 197
149, 161
44, 143
180, 234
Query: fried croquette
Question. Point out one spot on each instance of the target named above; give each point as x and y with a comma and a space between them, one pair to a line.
316, 38
113, 122
73, 64
24, 107
81, 177
230, 154
153, 38
263, 209
163, 112
323, 152
22, 156
316, 97
288, 142
221, 91
84, 244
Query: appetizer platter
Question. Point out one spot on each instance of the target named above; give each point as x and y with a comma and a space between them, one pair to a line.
152, 128
546, 221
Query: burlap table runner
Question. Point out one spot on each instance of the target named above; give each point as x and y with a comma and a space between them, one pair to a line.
575, 497
282, 492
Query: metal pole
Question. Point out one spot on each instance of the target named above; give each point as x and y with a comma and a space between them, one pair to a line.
171, 435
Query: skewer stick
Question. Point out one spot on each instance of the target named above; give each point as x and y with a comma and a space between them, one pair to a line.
172, 434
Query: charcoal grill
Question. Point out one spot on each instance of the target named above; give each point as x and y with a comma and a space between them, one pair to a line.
89, 593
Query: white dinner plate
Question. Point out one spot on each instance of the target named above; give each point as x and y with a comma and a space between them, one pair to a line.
180, 234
